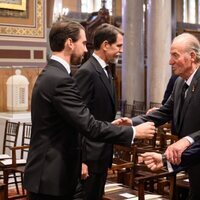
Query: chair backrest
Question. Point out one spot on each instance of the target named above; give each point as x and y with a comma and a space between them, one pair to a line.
139, 108
126, 154
155, 104
10, 135
26, 136
121, 106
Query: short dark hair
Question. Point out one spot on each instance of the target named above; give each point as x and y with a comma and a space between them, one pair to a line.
105, 32
61, 31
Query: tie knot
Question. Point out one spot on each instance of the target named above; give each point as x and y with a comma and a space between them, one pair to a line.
185, 87
107, 68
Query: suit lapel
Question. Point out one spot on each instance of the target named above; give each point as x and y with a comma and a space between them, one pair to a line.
189, 96
109, 87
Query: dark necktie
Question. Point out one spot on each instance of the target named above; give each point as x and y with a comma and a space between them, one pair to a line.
109, 74
110, 79
183, 95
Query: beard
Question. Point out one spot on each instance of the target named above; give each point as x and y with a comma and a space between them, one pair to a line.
115, 60
75, 59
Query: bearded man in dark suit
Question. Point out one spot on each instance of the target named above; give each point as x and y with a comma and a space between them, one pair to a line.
96, 86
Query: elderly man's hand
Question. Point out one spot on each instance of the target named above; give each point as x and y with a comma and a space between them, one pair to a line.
174, 151
151, 110
145, 130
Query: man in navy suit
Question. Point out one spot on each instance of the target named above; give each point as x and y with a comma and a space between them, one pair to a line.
183, 106
94, 79
58, 115
189, 157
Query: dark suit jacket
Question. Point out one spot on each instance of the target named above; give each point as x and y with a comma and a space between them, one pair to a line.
189, 120
169, 88
98, 94
58, 115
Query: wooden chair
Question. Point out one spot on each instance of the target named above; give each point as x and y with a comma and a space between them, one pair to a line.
11, 132
149, 179
145, 180
155, 104
13, 168
10, 137
26, 136
121, 107
123, 164
138, 177
141, 182
2, 191
139, 108
128, 112
17, 163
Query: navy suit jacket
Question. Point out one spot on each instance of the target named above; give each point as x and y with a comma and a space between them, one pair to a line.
190, 157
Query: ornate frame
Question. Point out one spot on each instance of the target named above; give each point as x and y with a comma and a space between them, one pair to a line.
14, 5
31, 27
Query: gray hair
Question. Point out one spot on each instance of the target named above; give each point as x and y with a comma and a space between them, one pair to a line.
191, 42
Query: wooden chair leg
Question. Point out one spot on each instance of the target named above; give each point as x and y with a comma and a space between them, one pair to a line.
16, 183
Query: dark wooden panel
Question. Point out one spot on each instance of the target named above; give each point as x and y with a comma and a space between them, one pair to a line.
38, 54
17, 54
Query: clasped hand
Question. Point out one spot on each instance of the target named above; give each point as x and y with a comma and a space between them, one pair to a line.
142, 131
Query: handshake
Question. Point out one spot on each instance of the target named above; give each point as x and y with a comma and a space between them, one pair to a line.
143, 131
153, 160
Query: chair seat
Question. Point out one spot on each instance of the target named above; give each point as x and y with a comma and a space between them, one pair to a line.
4, 156
8, 162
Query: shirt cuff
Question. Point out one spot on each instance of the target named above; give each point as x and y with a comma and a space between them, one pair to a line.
169, 167
134, 132
191, 140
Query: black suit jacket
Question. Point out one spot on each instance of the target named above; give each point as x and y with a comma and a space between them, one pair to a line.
98, 94
58, 115
189, 120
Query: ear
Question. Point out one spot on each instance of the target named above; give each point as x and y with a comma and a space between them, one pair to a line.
193, 56
69, 43
104, 45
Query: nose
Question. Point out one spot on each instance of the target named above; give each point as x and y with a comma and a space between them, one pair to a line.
85, 49
171, 61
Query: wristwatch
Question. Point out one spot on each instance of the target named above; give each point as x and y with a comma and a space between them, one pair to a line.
164, 159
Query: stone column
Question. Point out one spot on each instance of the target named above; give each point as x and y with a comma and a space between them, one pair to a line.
158, 48
133, 55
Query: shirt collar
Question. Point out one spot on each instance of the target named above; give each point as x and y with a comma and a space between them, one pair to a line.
189, 80
101, 61
63, 62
